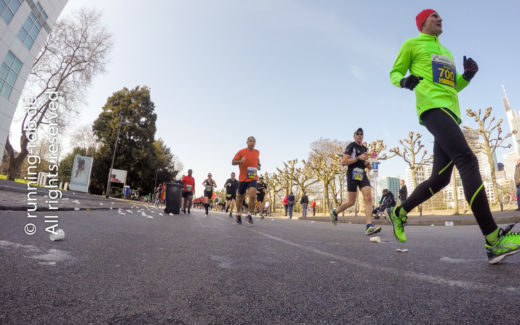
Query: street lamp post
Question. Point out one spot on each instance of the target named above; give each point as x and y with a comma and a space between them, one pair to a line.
156, 174
113, 157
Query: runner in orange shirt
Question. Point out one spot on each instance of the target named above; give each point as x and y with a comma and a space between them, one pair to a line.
249, 163
187, 191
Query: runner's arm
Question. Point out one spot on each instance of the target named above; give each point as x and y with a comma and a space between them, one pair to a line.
461, 82
238, 161
401, 65
347, 160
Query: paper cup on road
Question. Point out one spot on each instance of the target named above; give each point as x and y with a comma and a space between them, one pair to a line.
59, 235
375, 239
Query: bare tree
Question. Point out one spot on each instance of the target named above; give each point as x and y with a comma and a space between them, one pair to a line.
287, 175
336, 187
84, 137
379, 148
414, 154
325, 163
272, 182
75, 51
304, 179
490, 136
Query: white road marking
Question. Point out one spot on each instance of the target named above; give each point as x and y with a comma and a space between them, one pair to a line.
468, 285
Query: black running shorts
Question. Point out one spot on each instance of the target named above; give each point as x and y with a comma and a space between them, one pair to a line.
243, 186
353, 184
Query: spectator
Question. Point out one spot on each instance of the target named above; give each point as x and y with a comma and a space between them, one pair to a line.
290, 204
267, 208
387, 201
157, 195
285, 203
517, 182
403, 192
304, 201
313, 208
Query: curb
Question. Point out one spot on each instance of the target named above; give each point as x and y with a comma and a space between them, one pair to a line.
25, 208
418, 222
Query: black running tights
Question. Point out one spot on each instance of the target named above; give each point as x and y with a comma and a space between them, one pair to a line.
451, 148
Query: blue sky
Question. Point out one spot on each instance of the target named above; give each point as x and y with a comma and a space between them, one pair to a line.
290, 72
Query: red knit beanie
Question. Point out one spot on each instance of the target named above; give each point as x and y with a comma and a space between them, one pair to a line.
422, 16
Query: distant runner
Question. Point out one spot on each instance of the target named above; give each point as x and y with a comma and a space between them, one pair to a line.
209, 185
260, 196
187, 191
249, 163
231, 187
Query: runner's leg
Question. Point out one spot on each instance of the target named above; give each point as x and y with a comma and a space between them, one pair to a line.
252, 199
351, 200
440, 177
367, 196
449, 136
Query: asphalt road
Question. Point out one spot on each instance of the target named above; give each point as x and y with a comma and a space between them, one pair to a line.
115, 268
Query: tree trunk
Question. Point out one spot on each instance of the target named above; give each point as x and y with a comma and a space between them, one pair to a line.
414, 180
15, 163
455, 193
493, 176
325, 196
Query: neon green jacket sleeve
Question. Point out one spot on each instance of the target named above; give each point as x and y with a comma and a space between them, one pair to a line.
401, 65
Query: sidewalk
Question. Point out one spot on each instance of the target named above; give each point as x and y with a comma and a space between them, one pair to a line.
15, 197
505, 217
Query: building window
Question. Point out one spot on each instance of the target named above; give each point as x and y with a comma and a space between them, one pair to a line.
29, 31
42, 12
8, 8
32, 26
9, 71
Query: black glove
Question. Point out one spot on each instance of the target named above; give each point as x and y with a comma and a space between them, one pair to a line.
470, 68
410, 82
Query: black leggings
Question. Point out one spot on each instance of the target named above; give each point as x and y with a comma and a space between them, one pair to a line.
450, 147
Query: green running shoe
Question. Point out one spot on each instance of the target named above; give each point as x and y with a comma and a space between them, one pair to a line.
333, 216
508, 244
398, 225
372, 230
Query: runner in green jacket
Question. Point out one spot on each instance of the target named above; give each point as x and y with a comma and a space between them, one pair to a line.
434, 78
